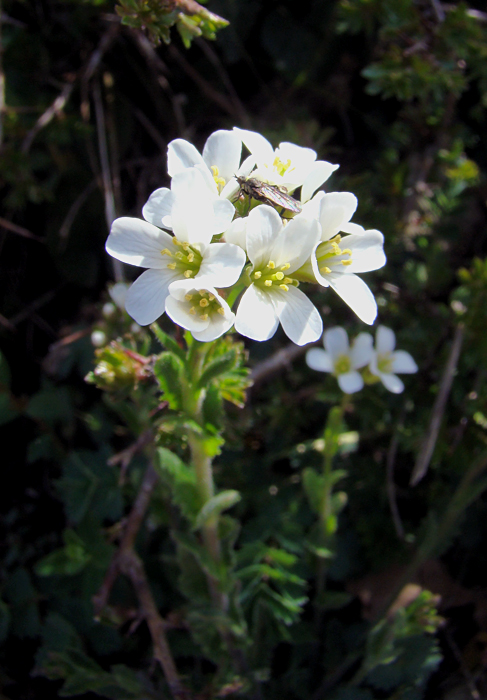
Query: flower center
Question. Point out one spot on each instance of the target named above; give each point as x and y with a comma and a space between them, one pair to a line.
281, 166
342, 364
186, 261
329, 254
384, 363
269, 276
203, 303
220, 181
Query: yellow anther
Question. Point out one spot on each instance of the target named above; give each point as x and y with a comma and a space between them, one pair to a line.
347, 262
214, 170
202, 292
325, 270
337, 238
176, 241
286, 266
271, 265
346, 251
336, 248
257, 275
288, 280
190, 257
204, 302
188, 273
211, 297
204, 317
171, 266
185, 247
268, 283
192, 311
179, 255
188, 297
166, 251
278, 276
285, 287
221, 311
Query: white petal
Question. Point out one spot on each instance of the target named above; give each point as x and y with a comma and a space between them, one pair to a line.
118, 294
158, 206
319, 172
320, 360
230, 189
208, 179
311, 209
350, 382
259, 146
192, 212
392, 383
263, 225
300, 156
337, 208
353, 228
181, 155
256, 316
146, 298
223, 149
362, 350
403, 363
178, 311
222, 264
223, 213
137, 242
299, 317
367, 251
236, 233
356, 294
295, 243
335, 341
246, 167
385, 340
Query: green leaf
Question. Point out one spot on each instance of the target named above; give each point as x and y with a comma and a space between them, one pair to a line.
168, 371
69, 560
168, 342
216, 505
215, 368
181, 480
333, 600
52, 405
213, 407
314, 487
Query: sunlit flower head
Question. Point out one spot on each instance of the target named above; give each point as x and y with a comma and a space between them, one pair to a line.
341, 359
198, 309
275, 251
387, 362
288, 166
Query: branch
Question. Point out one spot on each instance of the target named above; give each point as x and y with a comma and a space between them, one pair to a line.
429, 443
52, 111
279, 360
19, 230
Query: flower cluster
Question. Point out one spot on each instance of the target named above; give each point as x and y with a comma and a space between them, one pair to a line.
227, 225
379, 363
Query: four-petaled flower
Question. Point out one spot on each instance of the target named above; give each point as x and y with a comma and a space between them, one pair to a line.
199, 309
386, 361
275, 251
342, 360
288, 166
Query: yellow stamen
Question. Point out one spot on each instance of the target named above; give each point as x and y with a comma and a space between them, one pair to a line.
346, 251
271, 264
190, 257
347, 262
211, 297
286, 266
204, 317
214, 170
188, 297
201, 292
175, 241
166, 251
285, 287
325, 270
268, 283
204, 302
221, 311
171, 266
188, 273
278, 276
288, 280
257, 275
192, 311
336, 248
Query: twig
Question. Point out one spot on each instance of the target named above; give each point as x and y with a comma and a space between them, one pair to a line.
55, 109
110, 213
439, 11
126, 561
28, 310
391, 487
426, 452
279, 360
19, 230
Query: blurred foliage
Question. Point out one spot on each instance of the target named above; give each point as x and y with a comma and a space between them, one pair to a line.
394, 91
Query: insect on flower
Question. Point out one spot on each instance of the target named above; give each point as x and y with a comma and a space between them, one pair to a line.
268, 194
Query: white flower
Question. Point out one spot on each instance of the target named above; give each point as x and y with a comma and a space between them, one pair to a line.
186, 255
341, 359
333, 210
276, 251
386, 361
288, 166
198, 309
189, 207
219, 164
